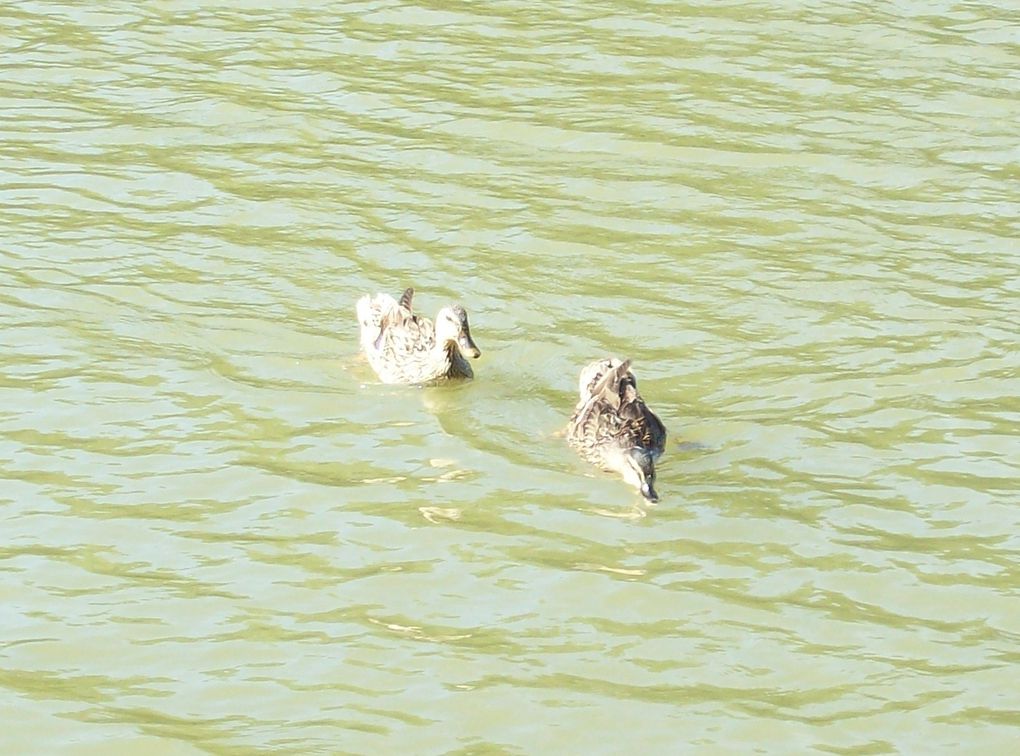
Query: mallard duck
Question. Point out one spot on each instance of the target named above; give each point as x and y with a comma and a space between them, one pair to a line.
612, 426
406, 348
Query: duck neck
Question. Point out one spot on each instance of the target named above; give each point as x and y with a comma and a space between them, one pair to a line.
446, 352
454, 362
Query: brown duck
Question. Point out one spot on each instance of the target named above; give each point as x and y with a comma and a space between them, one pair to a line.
612, 426
404, 347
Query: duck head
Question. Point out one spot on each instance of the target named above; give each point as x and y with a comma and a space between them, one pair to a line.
452, 330
639, 471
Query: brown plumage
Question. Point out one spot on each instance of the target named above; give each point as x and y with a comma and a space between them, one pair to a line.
404, 347
612, 426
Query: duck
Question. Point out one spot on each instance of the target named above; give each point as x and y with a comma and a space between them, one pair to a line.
404, 347
612, 427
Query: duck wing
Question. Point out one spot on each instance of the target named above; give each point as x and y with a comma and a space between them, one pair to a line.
616, 414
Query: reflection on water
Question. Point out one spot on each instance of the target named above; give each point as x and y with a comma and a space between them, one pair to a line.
222, 533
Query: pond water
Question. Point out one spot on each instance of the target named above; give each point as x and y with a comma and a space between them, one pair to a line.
222, 534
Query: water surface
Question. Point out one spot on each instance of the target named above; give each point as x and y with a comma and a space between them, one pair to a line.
223, 535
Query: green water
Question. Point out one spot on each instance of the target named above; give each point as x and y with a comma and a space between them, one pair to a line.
220, 534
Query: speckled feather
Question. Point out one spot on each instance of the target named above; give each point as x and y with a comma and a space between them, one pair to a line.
612, 419
401, 346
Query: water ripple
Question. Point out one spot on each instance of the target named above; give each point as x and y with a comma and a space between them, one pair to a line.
222, 533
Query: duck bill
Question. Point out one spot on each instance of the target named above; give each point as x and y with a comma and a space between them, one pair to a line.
467, 345
648, 492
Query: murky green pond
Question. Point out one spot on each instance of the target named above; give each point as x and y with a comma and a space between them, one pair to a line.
221, 534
